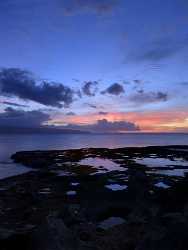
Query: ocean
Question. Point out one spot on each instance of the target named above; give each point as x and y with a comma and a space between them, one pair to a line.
9, 144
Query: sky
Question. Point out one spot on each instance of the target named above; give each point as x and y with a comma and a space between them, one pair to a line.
97, 65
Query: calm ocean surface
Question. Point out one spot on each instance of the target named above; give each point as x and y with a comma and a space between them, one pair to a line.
9, 144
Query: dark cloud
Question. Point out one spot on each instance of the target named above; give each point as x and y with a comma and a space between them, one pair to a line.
138, 81
90, 88
161, 49
184, 83
21, 83
14, 104
91, 105
72, 7
70, 113
13, 118
140, 91
126, 82
149, 97
75, 80
102, 113
106, 126
114, 89
79, 93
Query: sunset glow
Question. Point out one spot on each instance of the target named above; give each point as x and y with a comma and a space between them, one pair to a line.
171, 121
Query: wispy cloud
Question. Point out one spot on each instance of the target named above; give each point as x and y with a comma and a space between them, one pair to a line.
142, 97
161, 49
103, 113
93, 106
70, 113
72, 7
14, 104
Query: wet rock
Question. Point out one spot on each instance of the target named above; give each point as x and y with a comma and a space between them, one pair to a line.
37, 212
54, 235
6, 233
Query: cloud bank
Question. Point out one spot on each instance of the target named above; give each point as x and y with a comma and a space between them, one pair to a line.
106, 126
13, 118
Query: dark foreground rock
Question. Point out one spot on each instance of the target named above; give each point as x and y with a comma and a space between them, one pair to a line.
64, 204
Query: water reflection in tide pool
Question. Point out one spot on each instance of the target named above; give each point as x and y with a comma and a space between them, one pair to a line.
162, 185
116, 187
173, 172
173, 165
11, 143
106, 164
111, 222
161, 162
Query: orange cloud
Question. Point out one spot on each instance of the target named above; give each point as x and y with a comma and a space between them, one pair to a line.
167, 121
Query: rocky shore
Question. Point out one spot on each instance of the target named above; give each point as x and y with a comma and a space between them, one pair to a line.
82, 199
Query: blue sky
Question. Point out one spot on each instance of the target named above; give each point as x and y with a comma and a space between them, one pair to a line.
141, 45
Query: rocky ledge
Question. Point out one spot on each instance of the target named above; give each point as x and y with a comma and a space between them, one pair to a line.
128, 198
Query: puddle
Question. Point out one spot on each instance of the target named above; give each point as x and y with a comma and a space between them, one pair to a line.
71, 192
161, 162
173, 172
100, 162
111, 222
161, 185
153, 155
170, 172
45, 191
12, 169
179, 149
116, 187
61, 155
75, 184
125, 179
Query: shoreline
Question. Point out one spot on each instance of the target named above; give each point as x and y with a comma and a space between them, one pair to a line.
68, 201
